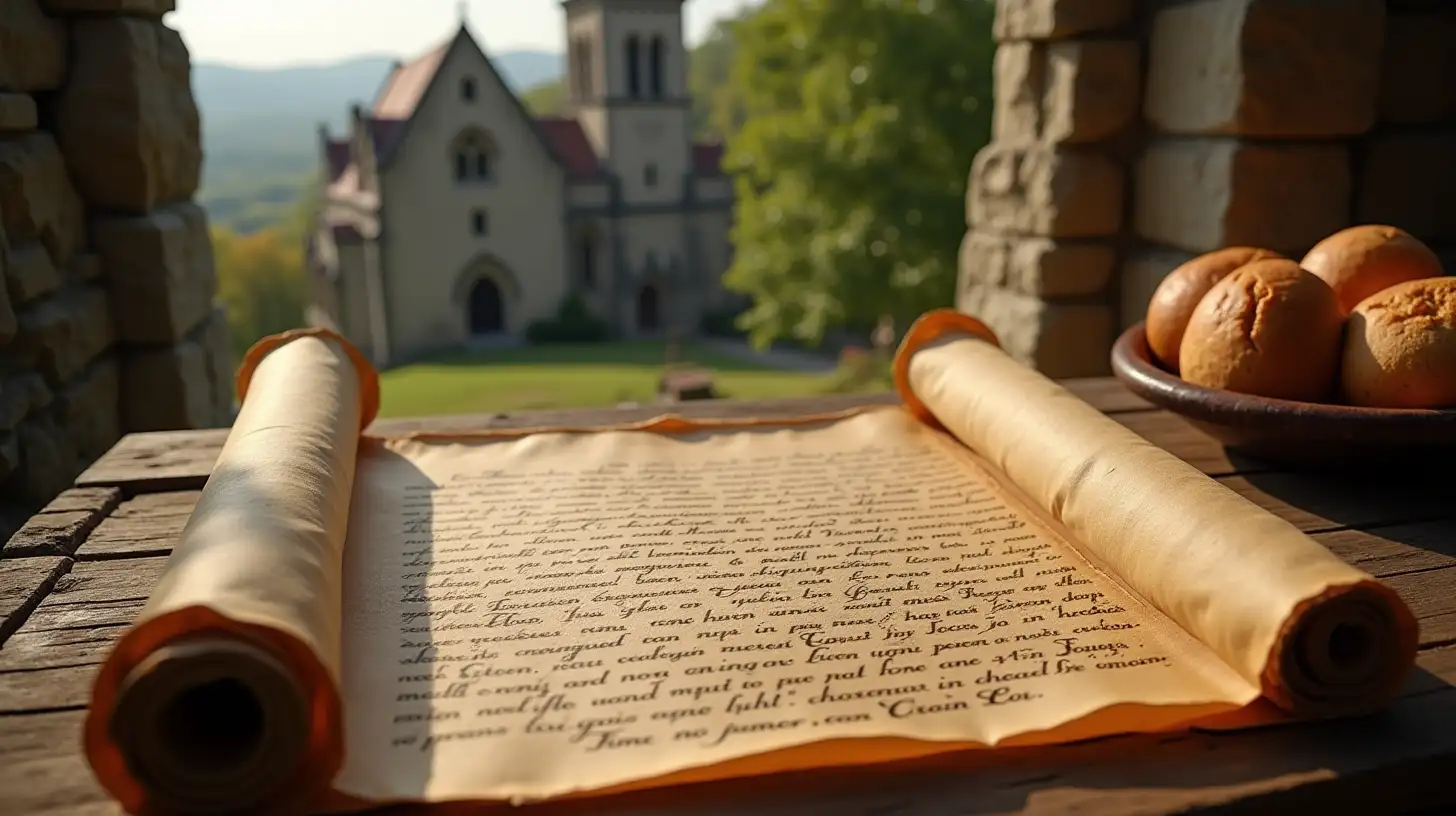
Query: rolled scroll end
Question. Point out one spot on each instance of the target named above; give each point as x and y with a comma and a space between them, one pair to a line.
1347, 653
211, 726
363, 369
930, 327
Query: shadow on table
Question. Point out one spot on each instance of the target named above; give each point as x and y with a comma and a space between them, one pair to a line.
1384, 763
1342, 499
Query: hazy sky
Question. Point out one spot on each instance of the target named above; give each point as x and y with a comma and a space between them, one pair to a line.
270, 33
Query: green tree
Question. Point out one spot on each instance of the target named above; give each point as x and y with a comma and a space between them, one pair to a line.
260, 281
709, 71
861, 119
546, 99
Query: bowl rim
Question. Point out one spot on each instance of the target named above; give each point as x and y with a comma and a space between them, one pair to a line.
1132, 363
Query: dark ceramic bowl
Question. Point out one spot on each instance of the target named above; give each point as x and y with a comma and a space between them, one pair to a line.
1300, 435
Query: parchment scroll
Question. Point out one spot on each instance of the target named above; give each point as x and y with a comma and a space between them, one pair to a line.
562, 612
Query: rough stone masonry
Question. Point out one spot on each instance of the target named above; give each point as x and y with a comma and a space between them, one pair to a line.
107, 314
1131, 135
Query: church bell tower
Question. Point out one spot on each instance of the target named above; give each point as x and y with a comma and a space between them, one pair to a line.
627, 85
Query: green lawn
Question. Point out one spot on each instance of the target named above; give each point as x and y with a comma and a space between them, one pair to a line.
569, 376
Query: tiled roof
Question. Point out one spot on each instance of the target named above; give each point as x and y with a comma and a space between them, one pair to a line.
337, 152
383, 133
407, 83
708, 159
570, 144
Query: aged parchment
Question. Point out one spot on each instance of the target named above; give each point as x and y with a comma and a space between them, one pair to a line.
537, 616
523, 615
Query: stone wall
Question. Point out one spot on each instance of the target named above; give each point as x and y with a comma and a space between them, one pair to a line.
1131, 136
107, 319
1048, 199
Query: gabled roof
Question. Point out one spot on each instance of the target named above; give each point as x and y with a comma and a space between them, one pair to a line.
410, 82
407, 83
570, 143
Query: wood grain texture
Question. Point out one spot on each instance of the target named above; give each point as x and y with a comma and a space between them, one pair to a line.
60, 526
73, 611
24, 583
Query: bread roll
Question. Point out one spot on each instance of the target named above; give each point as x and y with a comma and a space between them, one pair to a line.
1360, 261
1175, 298
1269, 328
1400, 347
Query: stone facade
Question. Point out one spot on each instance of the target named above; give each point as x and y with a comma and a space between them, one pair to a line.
1130, 136
612, 204
107, 322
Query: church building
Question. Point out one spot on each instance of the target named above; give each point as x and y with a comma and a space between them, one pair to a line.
451, 216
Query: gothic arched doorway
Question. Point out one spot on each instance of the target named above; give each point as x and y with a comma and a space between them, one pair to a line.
649, 315
486, 308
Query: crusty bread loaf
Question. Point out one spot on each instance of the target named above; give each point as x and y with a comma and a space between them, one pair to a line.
1178, 295
1400, 347
1360, 261
1270, 328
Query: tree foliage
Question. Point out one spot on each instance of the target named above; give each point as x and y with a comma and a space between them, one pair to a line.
860, 121
260, 281
546, 99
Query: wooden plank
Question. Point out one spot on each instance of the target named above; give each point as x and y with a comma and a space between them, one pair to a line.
182, 460
1106, 394
1378, 764
50, 662
147, 524
60, 526
1173, 434
1312, 503
24, 582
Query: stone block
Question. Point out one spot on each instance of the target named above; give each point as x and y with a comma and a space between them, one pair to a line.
1199, 195
32, 48
1058, 19
30, 274
1018, 71
1093, 90
1056, 192
1415, 84
48, 462
1265, 68
126, 118
37, 201
217, 342
90, 408
1408, 180
21, 395
9, 325
17, 113
159, 272
1141, 274
1040, 267
1059, 340
135, 8
84, 267
164, 389
61, 334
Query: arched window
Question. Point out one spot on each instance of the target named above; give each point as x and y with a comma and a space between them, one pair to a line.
649, 175
634, 67
586, 68
657, 57
479, 222
587, 247
486, 312
474, 155
578, 73
467, 89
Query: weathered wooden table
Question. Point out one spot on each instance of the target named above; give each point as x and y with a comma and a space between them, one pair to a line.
75, 576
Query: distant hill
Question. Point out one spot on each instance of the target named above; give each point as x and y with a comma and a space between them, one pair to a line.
259, 125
